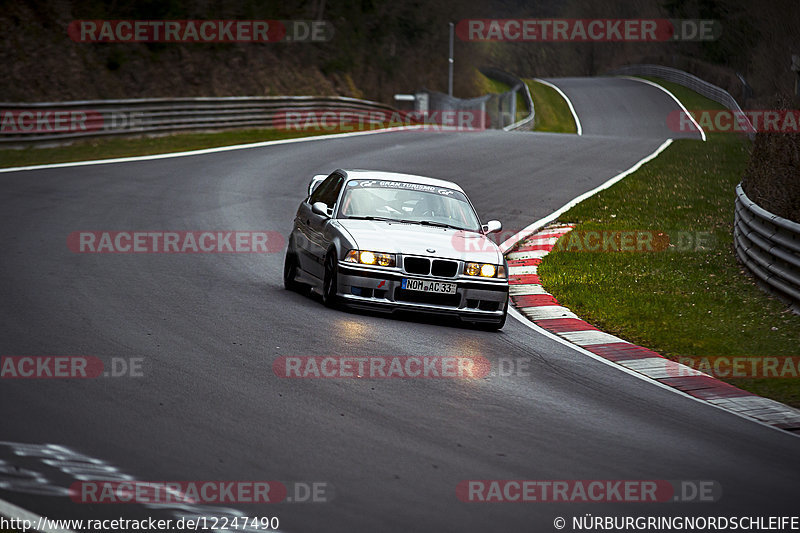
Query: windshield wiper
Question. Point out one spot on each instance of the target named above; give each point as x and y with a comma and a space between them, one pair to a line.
430, 223
370, 217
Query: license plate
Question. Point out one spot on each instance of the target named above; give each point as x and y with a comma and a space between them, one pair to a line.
423, 285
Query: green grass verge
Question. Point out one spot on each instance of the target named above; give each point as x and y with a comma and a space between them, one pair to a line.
684, 301
495, 86
106, 148
552, 111
522, 109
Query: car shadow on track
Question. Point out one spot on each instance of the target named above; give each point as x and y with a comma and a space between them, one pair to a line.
398, 315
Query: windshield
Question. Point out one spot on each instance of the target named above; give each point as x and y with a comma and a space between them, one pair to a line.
408, 202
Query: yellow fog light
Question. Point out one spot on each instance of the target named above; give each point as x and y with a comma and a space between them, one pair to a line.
472, 269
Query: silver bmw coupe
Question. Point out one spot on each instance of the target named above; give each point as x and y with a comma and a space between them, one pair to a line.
390, 241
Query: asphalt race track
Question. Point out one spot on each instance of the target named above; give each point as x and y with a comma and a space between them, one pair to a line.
620, 107
209, 326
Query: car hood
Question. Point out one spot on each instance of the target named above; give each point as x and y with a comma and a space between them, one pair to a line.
416, 239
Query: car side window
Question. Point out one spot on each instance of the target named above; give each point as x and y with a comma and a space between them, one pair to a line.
333, 194
325, 191
319, 193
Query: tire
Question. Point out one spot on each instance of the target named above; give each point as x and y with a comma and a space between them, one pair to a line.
330, 282
290, 265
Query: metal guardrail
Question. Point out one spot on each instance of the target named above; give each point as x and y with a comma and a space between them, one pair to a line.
690, 81
57, 121
526, 123
516, 84
769, 246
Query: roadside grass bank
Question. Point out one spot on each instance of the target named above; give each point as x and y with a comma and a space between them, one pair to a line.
123, 146
552, 112
692, 298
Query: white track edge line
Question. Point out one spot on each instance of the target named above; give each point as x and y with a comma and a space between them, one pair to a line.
511, 241
549, 334
208, 150
532, 325
569, 103
507, 244
12, 511
648, 82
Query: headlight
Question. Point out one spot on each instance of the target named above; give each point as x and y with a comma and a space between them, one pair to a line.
365, 257
484, 270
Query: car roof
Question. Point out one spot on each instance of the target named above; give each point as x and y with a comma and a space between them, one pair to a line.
398, 176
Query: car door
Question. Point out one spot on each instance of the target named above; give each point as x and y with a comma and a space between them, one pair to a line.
312, 226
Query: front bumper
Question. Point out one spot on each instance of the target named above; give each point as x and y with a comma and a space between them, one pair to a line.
476, 299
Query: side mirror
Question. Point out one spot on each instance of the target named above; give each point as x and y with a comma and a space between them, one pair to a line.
315, 181
492, 226
320, 208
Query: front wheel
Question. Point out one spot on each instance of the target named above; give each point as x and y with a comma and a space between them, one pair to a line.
330, 283
290, 270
